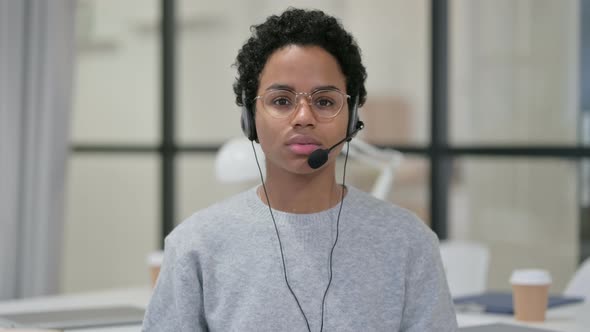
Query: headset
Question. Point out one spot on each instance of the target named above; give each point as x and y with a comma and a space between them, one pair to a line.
249, 124
314, 161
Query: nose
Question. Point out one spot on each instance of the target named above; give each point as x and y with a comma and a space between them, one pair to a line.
303, 113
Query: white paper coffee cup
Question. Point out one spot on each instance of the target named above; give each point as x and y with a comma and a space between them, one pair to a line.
530, 292
530, 277
154, 261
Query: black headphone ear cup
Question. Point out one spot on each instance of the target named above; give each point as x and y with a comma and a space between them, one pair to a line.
353, 120
247, 121
248, 124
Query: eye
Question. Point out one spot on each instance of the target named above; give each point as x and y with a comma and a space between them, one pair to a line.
281, 101
324, 102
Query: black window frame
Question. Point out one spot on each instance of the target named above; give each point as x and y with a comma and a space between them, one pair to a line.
439, 152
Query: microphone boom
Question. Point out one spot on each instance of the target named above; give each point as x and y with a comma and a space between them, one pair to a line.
320, 156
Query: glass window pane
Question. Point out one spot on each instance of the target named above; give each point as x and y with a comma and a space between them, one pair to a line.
196, 172
525, 210
112, 221
116, 88
410, 187
207, 112
514, 71
396, 52
394, 48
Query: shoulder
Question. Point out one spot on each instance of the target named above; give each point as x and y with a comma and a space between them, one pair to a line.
389, 219
212, 222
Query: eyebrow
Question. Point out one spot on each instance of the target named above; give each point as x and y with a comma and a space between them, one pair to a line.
290, 88
280, 87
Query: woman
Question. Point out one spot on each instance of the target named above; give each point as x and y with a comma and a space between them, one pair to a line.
301, 252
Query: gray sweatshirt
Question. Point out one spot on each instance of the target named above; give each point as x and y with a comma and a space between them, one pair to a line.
222, 270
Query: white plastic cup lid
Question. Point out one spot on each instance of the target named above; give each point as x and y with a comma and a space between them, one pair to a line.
155, 258
530, 277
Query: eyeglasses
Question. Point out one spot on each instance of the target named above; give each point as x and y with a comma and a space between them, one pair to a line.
281, 103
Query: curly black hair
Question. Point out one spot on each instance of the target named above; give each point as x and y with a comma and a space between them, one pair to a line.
298, 27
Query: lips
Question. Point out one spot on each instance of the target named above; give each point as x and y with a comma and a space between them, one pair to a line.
304, 145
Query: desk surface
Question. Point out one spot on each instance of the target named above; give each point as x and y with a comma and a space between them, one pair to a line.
567, 318
130, 296
564, 319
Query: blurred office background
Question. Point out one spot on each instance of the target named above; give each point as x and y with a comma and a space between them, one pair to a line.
505, 165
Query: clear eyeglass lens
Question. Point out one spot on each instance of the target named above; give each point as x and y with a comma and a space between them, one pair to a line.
325, 103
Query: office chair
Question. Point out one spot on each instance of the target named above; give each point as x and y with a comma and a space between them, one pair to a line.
466, 266
579, 284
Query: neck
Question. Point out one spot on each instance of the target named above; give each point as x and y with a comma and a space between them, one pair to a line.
297, 193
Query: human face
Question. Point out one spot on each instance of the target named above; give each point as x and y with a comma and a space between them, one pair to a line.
287, 142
